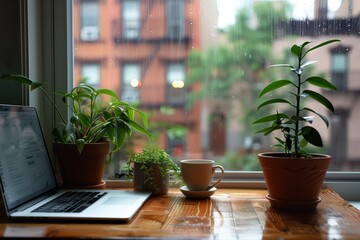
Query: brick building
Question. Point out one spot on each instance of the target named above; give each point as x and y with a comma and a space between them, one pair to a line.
138, 48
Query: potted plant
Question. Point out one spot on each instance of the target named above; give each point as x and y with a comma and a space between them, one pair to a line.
294, 177
99, 124
151, 169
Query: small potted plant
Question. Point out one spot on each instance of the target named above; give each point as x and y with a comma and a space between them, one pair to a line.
151, 169
294, 177
99, 124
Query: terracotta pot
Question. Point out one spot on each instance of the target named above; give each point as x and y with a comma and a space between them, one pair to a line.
294, 183
159, 185
83, 170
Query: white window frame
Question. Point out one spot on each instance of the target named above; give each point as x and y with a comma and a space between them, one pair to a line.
56, 66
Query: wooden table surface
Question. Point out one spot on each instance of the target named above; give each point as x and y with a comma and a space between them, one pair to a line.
228, 214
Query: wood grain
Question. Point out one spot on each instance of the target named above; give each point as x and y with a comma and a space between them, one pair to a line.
228, 214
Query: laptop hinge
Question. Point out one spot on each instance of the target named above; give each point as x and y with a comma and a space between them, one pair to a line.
32, 202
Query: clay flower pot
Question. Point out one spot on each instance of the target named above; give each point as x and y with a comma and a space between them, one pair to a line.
83, 170
148, 177
294, 183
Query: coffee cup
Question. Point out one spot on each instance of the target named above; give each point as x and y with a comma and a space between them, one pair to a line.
197, 174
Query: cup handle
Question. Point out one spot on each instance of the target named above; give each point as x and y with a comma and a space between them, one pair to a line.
220, 178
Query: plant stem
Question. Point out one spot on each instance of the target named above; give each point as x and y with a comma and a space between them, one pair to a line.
296, 138
53, 103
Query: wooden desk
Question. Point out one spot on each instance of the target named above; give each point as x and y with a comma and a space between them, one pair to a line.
228, 214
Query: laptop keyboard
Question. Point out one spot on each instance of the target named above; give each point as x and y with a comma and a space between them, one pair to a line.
71, 202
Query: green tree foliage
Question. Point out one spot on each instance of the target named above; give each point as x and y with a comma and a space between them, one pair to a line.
235, 71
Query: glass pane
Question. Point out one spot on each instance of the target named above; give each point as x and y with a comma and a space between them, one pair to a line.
131, 18
339, 63
131, 83
91, 74
220, 49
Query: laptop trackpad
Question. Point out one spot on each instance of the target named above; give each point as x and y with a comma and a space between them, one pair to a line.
120, 201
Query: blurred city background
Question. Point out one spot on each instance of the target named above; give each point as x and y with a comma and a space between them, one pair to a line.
196, 68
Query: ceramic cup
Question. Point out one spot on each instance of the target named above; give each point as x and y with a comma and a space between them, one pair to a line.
197, 174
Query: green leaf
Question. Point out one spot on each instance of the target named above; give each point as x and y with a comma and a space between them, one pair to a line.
296, 50
321, 45
83, 119
281, 65
274, 85
320, 82
17, 78
107, 92
56, 133
312, 136
319, 98
303, 143
268, 130
80, 144
282, 142
272, 101
270, 118
304, 44
139, 128
69, 134
307, 63
320, 115
120, 133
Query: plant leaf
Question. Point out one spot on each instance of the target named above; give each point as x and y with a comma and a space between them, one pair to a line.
268, 130
320, 82
320, 115
312, 136
80, 144
321, 44
272, 101
319, 98
281, 65
274, 85
271, 118
296, 50
107, 92
307, 63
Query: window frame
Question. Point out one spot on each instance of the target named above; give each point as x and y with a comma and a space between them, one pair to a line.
56, 66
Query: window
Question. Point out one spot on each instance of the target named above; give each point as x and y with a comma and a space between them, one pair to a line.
233, 98
90, 73
131, 19
339, 66
89, 20
209, 84
175, 18
175, 76
131, 83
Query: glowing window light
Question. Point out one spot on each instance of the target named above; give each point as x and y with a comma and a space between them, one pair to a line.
178, 84
135, 83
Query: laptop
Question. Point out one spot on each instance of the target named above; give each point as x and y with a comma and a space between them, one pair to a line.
28, 184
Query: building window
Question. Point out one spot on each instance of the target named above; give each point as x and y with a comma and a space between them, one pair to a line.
175, 19
131, 19
131, 83
176, 89
339, 67
89, 20
90, 74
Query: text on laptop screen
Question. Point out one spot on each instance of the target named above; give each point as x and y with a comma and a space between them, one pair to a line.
25, 167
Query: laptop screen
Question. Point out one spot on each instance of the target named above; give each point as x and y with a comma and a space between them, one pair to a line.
25, 167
